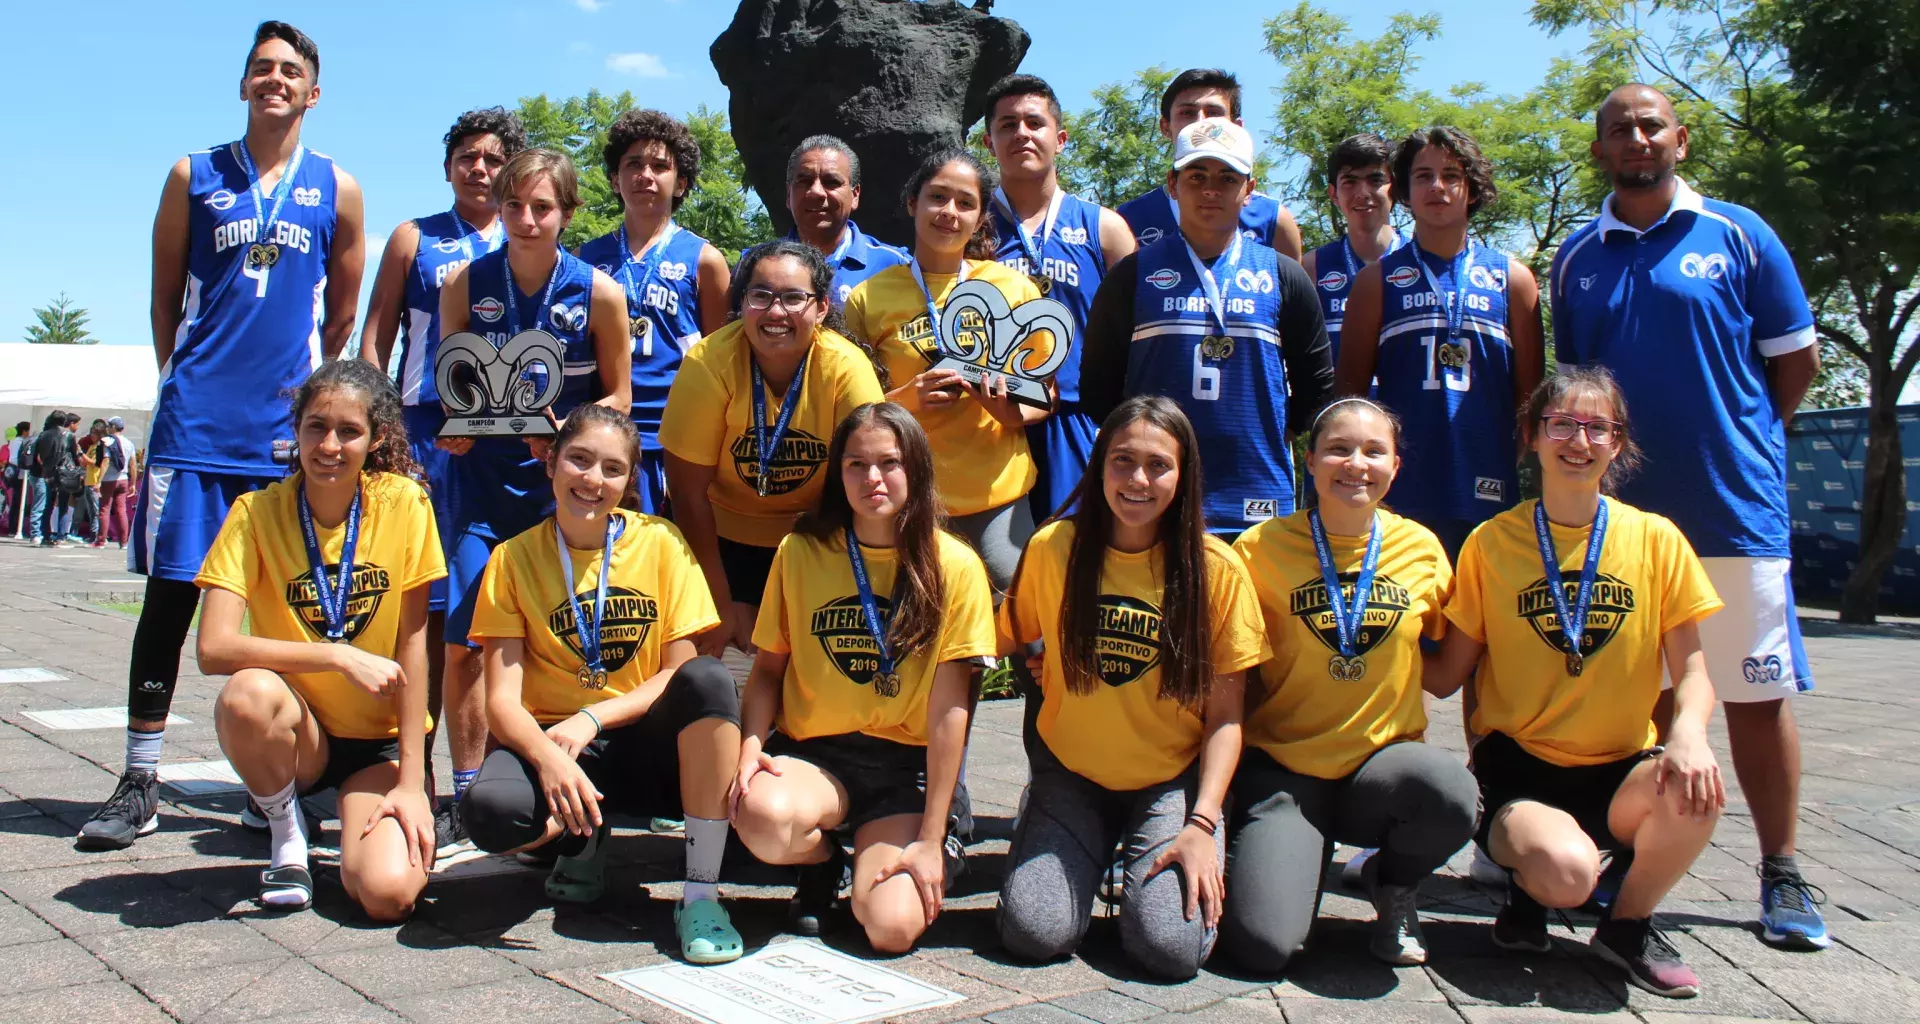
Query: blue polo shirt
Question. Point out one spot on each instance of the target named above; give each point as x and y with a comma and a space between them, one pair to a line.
1685, 314
858, 257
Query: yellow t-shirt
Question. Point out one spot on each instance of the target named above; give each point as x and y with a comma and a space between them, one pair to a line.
828, 687
1300, 714
656, 594
978, 462
261, 555
709, 422
1124, 735
1648, 582
98, 451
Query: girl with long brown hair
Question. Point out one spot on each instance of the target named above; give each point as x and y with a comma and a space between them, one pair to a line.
1148, 626
873, 621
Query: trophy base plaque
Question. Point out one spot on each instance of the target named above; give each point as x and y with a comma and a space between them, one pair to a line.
1020, 389
498, 426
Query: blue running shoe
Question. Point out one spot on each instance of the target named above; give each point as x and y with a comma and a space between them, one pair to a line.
1790, 912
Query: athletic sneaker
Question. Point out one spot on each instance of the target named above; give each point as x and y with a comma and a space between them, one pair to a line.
1485, 871
1397, 938
816, 892
450, 832
1634, 945
1521, 926
953, 858
1790, 911
131, 812
1113, 888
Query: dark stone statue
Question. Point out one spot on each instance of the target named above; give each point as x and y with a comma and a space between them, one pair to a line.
897, 79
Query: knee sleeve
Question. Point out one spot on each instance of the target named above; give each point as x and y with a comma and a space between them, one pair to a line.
700, 689
154, 666
504, 808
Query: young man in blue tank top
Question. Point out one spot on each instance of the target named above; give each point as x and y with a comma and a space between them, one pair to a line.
1450, 330
258, 249
675, 282
421, 255
823, 191
1065, 244
1194, 95
1221, 324
1360, 183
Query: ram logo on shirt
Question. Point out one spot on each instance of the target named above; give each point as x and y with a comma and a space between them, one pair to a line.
1712, 266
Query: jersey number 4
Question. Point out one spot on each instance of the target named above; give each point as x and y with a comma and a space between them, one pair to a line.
1458, 378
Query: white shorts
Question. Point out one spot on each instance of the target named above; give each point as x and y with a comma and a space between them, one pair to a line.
1753, 646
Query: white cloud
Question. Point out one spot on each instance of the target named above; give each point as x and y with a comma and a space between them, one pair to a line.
640, 65
590, 6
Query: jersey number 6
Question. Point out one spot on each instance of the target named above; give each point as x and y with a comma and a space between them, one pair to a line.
1206, 379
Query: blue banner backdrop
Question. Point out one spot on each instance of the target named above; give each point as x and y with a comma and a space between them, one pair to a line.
1826, 460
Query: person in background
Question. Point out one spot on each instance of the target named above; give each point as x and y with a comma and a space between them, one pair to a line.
92, 458
13, 473
115, 476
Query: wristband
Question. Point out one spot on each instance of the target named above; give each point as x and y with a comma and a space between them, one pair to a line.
1203, 823
595, 719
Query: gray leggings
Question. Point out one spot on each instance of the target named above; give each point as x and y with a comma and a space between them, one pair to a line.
998, 535
1417, 804
1063, 848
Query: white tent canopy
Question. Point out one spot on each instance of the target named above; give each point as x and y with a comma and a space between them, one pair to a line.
95, 381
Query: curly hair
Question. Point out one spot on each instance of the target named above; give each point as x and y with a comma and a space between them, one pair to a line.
1481, 192
986, 240
499, 122
389, 451
650, 126
819, 277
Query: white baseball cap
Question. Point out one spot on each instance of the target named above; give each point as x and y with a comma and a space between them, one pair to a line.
1216, 138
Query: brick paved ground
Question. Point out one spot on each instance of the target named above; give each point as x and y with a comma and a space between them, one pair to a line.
167, 930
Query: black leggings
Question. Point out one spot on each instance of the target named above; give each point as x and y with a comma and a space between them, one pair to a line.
636, 767
154, 667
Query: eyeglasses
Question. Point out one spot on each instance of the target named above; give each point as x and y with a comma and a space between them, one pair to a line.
793, 301
1600, 432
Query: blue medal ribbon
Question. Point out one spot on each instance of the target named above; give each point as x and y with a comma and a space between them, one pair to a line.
1347, 618
1028, 246
546, 297
1573, 620
1454, 305
331, 594
766, 445
933, 309
281, 190
467, 231
593, 672
884, 678
1353, 261
649, 263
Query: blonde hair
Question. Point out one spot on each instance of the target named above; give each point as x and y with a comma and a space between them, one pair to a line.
528, 164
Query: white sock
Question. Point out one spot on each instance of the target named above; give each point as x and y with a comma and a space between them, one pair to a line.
706, 844
287, 832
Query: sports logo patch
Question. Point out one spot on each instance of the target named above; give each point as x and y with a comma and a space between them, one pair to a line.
1333, 280
1126, 645
1253, 281
366, 585
1488, 488
624, 625
1587, 281
673, 271
1403, 277
1769, 669
800, 455
1151, 235
1487, 277
489, 309
1612, 603
841, 627
447, 245
1164, 278
572, 318
1205, 132
1073, 236
1386, 603
1712, 266
306, 197
1254, 509
220, 200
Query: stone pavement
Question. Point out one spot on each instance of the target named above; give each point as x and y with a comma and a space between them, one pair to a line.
168, 931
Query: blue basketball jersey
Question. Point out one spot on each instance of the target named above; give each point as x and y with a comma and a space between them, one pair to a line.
447, 243
1153, 217
1071, 259
1336, 265
560, 306
1237, 402
250, 331
1459, 458
663, 292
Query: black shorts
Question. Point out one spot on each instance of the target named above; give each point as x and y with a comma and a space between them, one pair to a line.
348, 757
882, 777
747, 567
1506, 772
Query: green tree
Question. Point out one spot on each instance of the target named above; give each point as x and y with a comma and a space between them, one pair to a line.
719, 208
1115, 151
61, 323
1793, 112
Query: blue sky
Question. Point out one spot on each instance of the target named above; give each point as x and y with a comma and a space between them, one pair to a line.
103, 98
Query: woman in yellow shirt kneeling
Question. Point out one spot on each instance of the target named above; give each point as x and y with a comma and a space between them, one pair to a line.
328, 570
1336, 719
1145, 627
594, 691
1568, 765
747, 425
874, 621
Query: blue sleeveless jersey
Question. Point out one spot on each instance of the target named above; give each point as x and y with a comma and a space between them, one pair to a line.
247, 335
1071, 258
669, 299
1238, 404
446, 244
564, 316
1459, 460
1152, 218
1335, 265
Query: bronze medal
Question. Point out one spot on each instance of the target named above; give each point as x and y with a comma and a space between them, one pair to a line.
639, 327
585, 675
1042, 282
263, 254
1346, 670
1453, 355
1576, 664
886, 684
1218, 346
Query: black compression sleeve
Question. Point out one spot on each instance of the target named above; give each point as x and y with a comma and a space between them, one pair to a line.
1104, 345
1304, 346
154, 667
